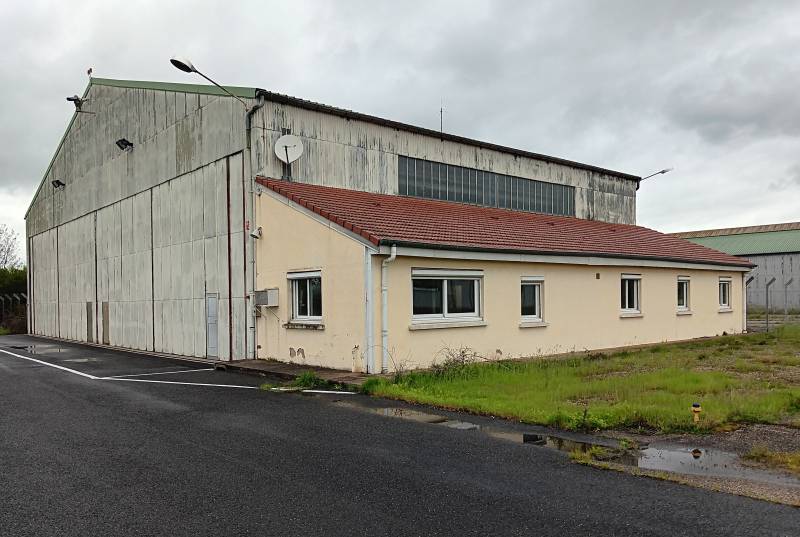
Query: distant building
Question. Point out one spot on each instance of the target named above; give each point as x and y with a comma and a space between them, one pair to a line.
775, 248
169, 220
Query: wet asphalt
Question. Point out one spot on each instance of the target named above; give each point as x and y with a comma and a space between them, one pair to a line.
90, 456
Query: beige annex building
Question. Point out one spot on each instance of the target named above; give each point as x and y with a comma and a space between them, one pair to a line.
376, 282
378, 243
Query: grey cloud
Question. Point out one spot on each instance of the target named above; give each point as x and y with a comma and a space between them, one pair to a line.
790, 180
630, 85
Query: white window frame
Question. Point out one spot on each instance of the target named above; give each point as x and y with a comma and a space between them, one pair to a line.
727, 282
294, 280
688, 305
444, 275
537, 281
637, 309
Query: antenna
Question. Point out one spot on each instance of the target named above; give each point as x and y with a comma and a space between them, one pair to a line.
441, 116
288, 148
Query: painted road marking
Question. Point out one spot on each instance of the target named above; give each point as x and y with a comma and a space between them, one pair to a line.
88, 376
92, 377
183, 383
157, 373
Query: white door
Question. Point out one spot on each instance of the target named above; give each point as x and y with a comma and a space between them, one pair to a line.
212, 334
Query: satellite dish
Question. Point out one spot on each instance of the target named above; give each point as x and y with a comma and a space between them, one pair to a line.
288, 148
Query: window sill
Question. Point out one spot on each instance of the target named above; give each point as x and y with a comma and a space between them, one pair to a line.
445, 324
630, 314
726, 310
304, 325
533, 324
683, 312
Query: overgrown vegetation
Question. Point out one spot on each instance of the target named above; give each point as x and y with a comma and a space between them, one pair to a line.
13, 280
788, 460
737, 379
593, 453
311, 381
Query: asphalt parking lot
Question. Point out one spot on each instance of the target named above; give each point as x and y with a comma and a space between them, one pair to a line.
100, 442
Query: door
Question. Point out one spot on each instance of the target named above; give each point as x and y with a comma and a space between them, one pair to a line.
89, 321
212, 334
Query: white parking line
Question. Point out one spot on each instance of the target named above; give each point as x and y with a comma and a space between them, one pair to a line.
92, 377
182, 383
158, 373
88, 376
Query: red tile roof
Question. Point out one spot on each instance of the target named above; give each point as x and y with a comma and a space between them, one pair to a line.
389, 219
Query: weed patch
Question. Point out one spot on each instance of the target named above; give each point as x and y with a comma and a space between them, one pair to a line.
735, 378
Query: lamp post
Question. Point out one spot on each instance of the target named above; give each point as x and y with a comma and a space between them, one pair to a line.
185, 65
660, 172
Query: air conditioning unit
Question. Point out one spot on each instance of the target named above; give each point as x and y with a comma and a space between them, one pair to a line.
267, 298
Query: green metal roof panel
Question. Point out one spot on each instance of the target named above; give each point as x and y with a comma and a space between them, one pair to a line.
774, 242
205, 89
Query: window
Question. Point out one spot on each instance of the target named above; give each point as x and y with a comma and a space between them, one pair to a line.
531, 298
630, 290
725, 293
426, 179
306, 296
683, 293
439, 295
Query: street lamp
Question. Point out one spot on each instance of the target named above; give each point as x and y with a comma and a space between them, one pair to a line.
187, 67
661, 172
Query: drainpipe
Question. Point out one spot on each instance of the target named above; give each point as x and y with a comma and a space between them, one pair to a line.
251, 310
385, 310
369, 342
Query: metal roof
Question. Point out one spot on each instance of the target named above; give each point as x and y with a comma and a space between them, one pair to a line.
252, 93
770, 242
737, 230
204, 89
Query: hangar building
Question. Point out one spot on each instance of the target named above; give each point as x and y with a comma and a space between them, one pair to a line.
166, 222
773, 248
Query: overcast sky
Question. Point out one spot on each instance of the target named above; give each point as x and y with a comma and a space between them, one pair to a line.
709, 88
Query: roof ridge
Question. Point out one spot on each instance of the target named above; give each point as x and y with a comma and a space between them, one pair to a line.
742, 230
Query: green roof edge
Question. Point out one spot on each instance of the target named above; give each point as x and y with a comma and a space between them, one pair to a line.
203, 89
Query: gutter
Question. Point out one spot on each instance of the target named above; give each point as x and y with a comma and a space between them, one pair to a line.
428, 246
251, 310
385, 309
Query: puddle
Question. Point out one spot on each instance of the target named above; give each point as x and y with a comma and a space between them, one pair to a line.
38, 349
413, 415
657, 457
708, 462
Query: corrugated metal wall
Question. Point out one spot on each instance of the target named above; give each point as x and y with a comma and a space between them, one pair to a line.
127, 251
363, 156
782, 267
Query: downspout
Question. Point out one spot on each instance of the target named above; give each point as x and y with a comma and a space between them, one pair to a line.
369, 340
385, 310
251, 310
744, 302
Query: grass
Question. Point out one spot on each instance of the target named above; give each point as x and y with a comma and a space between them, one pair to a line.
308, 380
594, 453
4, 331
737, 379
788, 460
